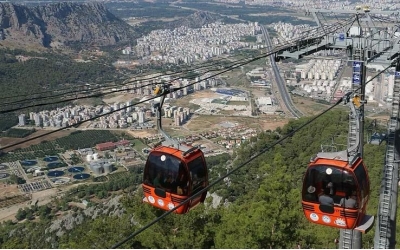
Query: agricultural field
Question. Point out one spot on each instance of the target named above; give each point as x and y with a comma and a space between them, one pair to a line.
100, 178
117, 175
17, 133
220, 101
238, 103
76, 140
6, 202
7, 121
85, 139
35, 151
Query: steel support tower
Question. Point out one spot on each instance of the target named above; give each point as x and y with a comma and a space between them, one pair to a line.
368, 43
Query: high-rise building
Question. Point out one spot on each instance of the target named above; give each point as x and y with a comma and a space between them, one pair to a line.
116, 106
21, 120
141, 115
38, 120
177, 121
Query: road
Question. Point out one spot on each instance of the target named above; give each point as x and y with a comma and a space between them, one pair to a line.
285, 96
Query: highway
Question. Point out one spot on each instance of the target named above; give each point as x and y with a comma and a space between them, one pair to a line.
285, 96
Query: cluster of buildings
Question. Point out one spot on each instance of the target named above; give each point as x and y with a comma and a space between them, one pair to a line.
108, 146
231, 137
145, 87
124, 115
70, 115
179, 114
186, 45
288, 31
322, 69
323, 4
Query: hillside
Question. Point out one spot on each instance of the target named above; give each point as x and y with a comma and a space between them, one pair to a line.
195, 20
260, 208
59, 24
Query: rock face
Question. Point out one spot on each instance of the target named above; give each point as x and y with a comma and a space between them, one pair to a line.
195, 20
61, 24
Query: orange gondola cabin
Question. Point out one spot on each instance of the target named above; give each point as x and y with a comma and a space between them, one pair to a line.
336, 190
172, 175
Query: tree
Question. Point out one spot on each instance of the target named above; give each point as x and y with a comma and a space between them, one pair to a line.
21, 214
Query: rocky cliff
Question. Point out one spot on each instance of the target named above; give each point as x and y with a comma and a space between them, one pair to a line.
196, 20
61, 24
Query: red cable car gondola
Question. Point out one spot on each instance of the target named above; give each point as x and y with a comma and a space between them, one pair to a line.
336, 189
174, 172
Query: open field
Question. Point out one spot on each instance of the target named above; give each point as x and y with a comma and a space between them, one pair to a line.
7, 140
8, 190
9, 201
207, 123
185, 101
121, 98
307, 106
139, 145
141, 133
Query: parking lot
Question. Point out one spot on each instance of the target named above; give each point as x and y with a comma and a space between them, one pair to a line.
34, 186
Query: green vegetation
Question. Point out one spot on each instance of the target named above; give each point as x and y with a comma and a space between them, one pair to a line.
250, 39
238, 103
46, 73
263, 208
146, 10
100, 179
139, 145
35, 151
9, 201
220, 101
7, 121
85, 139
17, 132
14, 179
77, 139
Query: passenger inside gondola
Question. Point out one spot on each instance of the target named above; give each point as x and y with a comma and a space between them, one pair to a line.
325, 198
157, 182
326, 181
350, 201
170, 184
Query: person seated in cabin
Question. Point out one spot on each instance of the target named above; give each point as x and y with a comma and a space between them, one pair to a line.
181, 185
157, 181
331, 188
147, 180
350, 201
325, 198
170, 184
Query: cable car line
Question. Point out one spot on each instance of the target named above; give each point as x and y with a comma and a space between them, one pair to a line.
345, 97
186, 69
135, 104
235, 65
107, 93
102, 88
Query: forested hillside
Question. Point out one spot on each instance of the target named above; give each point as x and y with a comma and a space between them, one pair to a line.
260, 205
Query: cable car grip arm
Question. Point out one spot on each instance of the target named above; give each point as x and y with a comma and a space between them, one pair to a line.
162, 91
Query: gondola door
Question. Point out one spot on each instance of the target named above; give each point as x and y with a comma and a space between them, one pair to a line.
198, 177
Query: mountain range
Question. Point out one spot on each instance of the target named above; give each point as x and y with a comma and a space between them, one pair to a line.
60, 24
